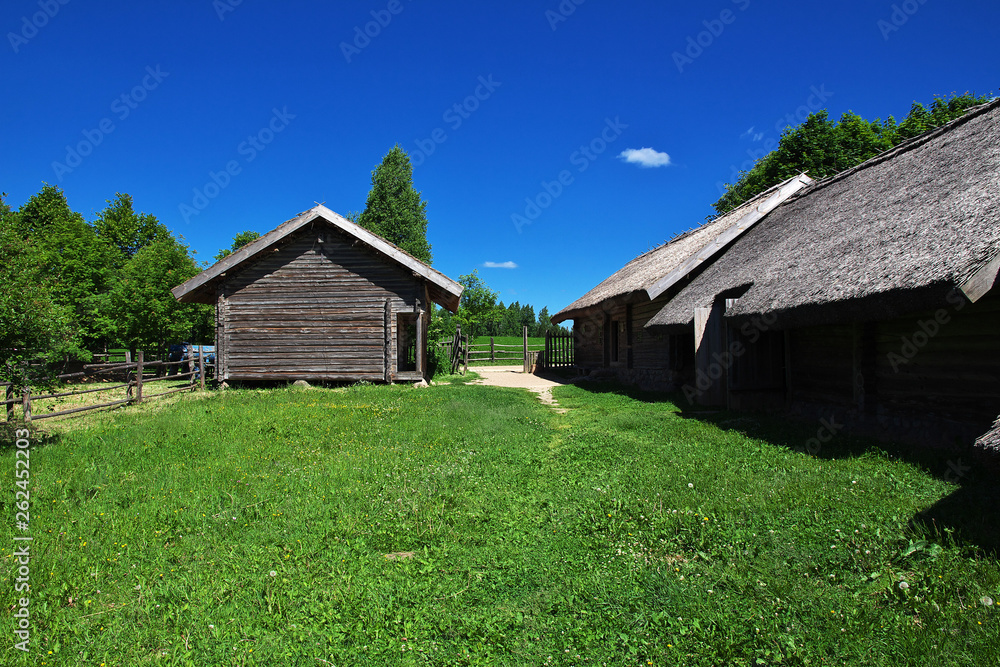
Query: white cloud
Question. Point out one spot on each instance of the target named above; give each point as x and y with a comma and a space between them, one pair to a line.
645, 157
500, 265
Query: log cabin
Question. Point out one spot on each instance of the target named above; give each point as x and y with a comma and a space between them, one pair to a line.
609, 335
321, 299
869, 296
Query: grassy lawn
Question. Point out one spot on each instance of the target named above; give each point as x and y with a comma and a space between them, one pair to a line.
253, 527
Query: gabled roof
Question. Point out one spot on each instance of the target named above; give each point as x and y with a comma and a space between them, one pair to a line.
201, 288
657, 270
889, 237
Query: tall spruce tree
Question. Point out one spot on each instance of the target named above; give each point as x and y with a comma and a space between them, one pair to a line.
394, 210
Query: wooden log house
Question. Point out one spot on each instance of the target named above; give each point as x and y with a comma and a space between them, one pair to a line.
869, 296
610, 338
321, 299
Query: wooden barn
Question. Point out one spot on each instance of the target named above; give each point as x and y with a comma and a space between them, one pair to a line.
869, 295
319, 298
609, 335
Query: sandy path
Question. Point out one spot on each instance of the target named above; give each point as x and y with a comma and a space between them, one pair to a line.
514, 376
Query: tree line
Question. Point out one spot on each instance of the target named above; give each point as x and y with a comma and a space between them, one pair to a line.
823, 147
481, 313
69, 287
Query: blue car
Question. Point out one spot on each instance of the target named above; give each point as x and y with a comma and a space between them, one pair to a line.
189, 352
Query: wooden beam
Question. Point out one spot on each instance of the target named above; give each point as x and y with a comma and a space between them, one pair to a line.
387, 349
138, 377
421, 344
983, 280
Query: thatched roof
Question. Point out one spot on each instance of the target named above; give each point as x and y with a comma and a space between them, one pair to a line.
201, 288
681, 255
991, 439
889, 237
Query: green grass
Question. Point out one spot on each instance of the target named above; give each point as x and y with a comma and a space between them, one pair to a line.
252, 527
508, 357
509, 340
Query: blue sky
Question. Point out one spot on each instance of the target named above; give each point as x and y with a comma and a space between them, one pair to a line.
223, 116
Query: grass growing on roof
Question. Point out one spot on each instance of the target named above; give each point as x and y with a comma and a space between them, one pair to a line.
252, 527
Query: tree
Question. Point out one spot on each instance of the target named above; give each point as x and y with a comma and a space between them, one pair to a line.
126, 231
78, 266
823, 148
146, 314
240, 240
510, 321
477, 310
544, 322
33, 324
394, 210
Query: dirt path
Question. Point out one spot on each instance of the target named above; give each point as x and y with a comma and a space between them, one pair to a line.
514, 376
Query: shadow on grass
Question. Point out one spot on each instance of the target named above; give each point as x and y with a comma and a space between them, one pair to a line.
9, 434
971, 513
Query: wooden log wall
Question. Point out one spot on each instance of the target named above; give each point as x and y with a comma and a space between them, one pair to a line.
821, 360
588, 331
951, 369
638, 348
315, 309
650, 349
916, 365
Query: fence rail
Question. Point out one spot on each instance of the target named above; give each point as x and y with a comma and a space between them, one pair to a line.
134, 373
491, 351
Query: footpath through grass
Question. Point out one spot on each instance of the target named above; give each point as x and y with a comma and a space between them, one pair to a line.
253, 528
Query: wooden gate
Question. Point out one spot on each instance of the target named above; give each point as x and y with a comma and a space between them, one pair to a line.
559, 351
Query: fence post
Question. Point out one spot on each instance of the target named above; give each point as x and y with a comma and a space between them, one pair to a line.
201, 366
138, 377
10, 405
26, 404
524, 331
466, 356
493, 354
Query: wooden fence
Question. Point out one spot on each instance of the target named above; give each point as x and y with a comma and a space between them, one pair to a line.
559, 351
134, 383
523, 353
459, 353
